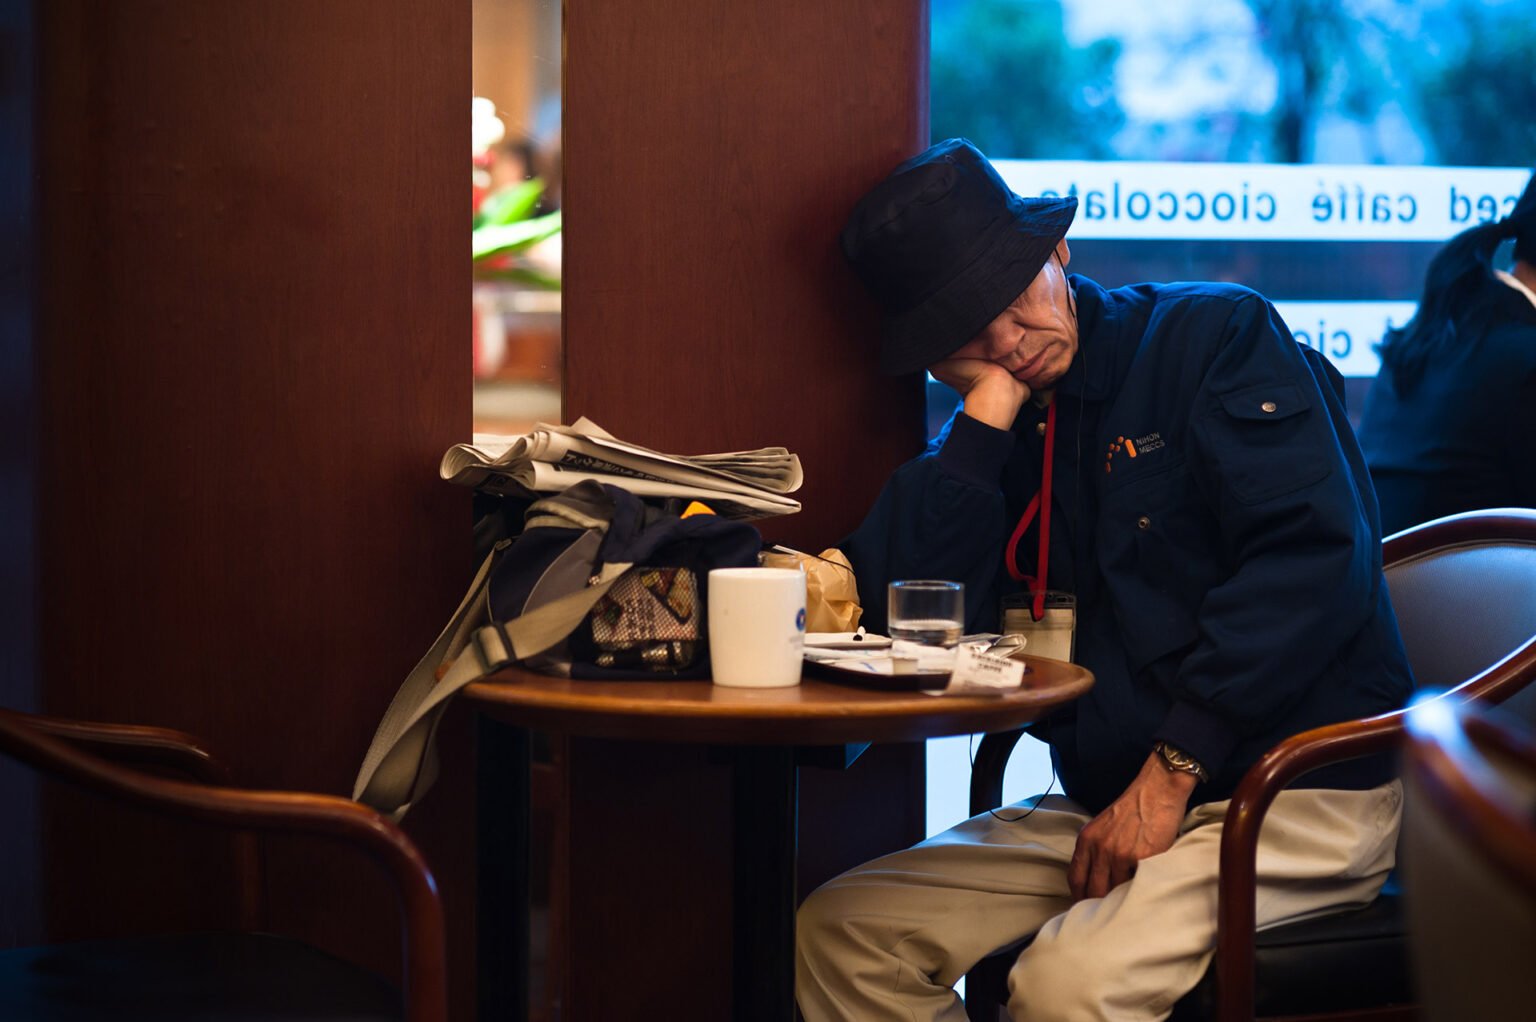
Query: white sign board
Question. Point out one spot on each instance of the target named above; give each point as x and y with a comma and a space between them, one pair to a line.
1270, 202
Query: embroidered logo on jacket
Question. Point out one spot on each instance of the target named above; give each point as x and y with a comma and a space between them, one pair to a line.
1132, 447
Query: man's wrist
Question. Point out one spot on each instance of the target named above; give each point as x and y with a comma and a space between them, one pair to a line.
1171, 785
1176, 760
995, 403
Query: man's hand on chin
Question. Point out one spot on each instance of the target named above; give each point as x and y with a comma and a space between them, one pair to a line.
990, 392
1142, 822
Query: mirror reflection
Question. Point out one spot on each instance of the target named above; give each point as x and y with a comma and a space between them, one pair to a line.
517, 219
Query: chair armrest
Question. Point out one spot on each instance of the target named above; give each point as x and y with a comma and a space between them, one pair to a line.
1235, 909
327, 816
988, 767
166, 749
1290, 759
138, 744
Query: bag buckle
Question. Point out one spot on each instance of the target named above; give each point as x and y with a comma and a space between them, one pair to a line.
494, 645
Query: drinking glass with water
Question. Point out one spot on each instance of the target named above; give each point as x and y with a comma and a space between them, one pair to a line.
927, 611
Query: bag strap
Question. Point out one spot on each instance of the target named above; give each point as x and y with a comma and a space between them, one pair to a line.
401, 762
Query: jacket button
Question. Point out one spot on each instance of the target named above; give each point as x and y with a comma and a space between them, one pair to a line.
1143, 523
1268, 406
1040, 428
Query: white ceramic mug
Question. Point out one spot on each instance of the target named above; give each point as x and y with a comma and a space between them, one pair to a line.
756, 626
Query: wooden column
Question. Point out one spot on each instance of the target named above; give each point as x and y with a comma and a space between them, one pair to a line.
712, 150
251, 340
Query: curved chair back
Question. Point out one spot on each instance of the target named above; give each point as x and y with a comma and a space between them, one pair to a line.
1470, 828
63, 981
1464, 588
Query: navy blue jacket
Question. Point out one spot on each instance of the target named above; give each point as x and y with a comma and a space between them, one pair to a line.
1465, 436
1228, 574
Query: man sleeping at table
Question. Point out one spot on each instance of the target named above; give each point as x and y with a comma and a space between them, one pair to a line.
1169, 456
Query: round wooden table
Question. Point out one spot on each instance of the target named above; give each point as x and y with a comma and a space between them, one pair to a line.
815, 712
762, 728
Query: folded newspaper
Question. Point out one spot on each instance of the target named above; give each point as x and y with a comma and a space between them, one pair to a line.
739, 484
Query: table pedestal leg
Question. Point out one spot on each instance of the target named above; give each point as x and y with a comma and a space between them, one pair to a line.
766, 832
502, 792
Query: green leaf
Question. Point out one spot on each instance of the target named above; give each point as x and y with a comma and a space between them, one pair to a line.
510, 204
496, 239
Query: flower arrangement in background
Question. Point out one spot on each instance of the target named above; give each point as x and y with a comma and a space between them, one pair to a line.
511, 244
515, 236
508, 232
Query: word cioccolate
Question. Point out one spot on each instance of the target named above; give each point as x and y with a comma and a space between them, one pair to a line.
1167, 204
1249, 201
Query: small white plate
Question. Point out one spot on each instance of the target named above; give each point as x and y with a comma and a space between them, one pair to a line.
846, 640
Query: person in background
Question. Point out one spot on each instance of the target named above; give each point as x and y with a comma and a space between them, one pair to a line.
1450, 421
1211, 514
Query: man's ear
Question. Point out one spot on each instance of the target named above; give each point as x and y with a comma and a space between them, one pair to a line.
1063, 252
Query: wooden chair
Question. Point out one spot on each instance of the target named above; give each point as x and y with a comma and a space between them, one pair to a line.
1469, 838
209, 977
1464, 588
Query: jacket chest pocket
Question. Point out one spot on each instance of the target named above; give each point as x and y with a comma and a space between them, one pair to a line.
1158, 551
1266, 441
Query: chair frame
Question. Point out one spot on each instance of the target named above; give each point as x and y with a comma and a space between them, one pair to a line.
1301, 753
1235, 926
74, 751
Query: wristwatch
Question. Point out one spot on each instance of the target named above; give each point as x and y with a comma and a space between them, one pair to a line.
1175, 758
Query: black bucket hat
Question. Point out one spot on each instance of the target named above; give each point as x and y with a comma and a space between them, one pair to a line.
944, 246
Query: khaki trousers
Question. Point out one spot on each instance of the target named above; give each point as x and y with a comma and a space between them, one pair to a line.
889, 939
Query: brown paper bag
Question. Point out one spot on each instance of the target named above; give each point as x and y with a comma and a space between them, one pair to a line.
831, 592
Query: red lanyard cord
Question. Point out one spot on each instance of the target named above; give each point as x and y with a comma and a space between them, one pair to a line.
1041, 503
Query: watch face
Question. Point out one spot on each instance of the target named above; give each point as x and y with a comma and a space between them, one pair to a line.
1178, 759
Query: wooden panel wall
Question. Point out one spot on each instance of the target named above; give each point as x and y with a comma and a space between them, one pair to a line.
252, 339
712, 152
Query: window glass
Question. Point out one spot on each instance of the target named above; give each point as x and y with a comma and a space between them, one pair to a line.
515, 128
1318, 151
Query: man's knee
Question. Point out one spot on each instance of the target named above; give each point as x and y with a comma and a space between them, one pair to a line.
1059, 980
1050, 982
828, 918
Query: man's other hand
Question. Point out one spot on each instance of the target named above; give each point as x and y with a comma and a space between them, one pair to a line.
1142, 822
991, 394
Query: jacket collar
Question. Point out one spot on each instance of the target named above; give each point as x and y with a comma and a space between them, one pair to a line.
1091, 372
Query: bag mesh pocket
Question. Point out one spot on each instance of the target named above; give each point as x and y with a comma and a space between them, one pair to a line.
650, 618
